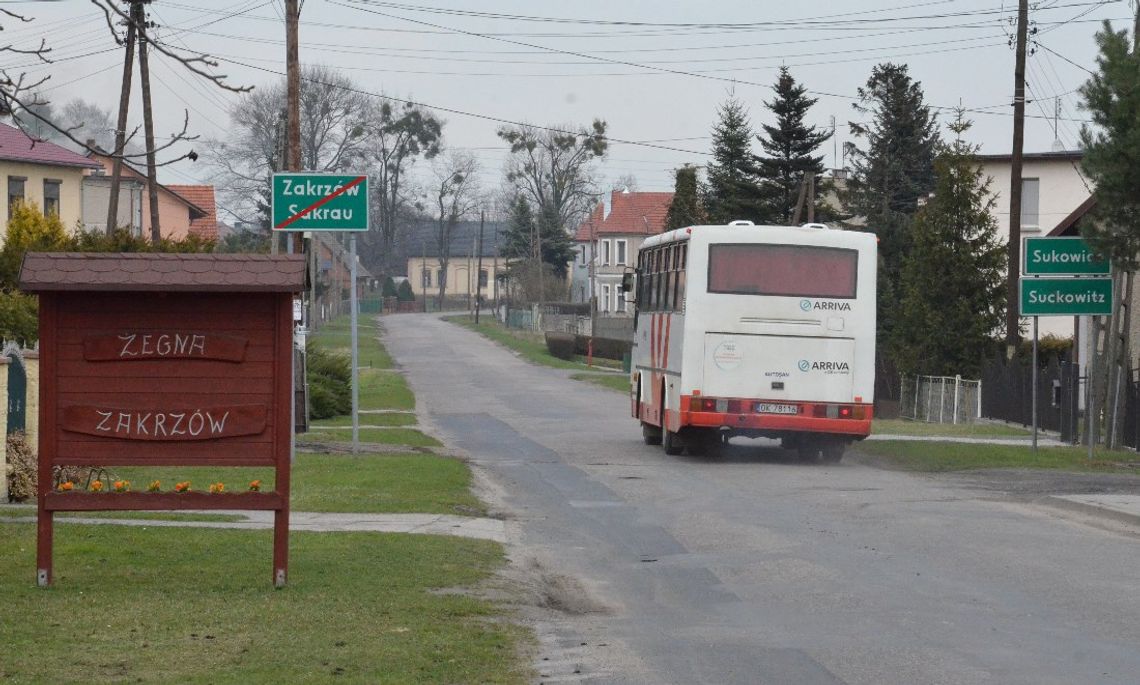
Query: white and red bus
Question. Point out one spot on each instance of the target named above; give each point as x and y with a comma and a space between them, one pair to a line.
756, 331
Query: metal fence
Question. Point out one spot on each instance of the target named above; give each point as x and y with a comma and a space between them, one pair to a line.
940, 399
1008, 394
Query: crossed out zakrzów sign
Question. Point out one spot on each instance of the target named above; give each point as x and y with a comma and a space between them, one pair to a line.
320, 202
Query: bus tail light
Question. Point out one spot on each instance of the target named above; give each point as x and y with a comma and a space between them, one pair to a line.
713, 404
839, 411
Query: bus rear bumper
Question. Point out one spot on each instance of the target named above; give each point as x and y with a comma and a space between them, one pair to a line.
776, 425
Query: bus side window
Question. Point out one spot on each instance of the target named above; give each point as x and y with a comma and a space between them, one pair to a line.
668, 289
650, 279
679, 304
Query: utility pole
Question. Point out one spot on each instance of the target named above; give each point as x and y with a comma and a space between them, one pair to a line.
479, 270
148, 121
121, 127
293, 95
1013, 266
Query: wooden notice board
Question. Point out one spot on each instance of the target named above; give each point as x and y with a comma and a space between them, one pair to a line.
164, 360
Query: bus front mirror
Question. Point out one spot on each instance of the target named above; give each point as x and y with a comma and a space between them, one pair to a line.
627, 282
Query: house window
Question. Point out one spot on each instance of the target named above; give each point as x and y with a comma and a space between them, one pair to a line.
619, 299
51, 197
582, 255
605, 298
482, 279
605, 253
425, 278
619, 249
1031, 203
15, 192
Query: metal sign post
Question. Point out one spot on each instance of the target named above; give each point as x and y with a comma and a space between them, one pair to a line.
327, 202
1063, 277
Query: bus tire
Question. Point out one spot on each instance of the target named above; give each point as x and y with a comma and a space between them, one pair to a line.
807, 451
671, 442
650, 434
833, 451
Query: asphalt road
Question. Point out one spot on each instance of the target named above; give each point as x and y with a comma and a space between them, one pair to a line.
752, 568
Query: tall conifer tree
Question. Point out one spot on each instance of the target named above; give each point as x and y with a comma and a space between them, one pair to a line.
733, 189
952, 281
788, 146
685, 209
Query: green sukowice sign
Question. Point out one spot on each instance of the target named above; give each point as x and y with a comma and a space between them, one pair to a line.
320, 202
1060, 257
1066, 296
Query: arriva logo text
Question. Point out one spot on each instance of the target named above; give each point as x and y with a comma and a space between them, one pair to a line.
808, 305
826, 367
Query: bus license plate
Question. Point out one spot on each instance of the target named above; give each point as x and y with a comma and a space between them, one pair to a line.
766, 408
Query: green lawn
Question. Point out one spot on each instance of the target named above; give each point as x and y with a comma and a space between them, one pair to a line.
613, 381
163, 605
377, 483
370, 420
384, 389
336, 336
949, 456
969, 430
380, 436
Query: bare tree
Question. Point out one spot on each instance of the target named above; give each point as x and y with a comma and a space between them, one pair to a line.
400, 135
456, 195
552, 167
336, 122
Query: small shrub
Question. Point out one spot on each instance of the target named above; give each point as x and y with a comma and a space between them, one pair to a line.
22, 468
404, 292
604, 348
560, 345
389, 288
330, 379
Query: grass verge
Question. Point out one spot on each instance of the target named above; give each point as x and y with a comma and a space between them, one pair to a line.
530, 346
969, 430
336, 336
619, 382
380, 436
369, 420
949, 456
183, 605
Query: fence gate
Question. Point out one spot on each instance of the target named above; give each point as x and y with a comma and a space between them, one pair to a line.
17, 394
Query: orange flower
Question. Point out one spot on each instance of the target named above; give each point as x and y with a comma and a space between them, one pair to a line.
255, 486
217, 487
155, 486
66, 486
97, 486
122, 486
184, 486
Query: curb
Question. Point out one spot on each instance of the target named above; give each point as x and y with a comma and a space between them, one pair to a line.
1090, 509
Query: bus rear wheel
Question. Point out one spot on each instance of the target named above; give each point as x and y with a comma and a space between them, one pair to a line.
671, 442
650, 434
832, 452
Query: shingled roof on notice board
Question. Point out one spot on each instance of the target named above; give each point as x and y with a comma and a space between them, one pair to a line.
153, 272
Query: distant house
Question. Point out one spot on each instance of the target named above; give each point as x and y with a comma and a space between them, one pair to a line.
465, 275
607, 243
1052, 190
42, 173
176, 213
205, 227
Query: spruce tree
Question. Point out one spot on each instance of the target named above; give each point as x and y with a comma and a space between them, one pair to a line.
733, 190
685, 209
519, 235
952, 280
521, 238
788, 146
893, 169
1112, 150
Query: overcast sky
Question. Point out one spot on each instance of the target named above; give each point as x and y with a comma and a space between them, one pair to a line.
655, 70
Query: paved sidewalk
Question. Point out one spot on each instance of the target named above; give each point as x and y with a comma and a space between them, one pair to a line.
429, 524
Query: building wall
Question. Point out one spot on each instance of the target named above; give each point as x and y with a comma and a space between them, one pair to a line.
608, 272
97, 195
1061, 189
461, 276
70, 189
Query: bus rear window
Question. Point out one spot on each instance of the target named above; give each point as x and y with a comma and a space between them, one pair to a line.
782, 270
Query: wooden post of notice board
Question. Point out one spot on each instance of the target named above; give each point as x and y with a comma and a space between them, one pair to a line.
164, 360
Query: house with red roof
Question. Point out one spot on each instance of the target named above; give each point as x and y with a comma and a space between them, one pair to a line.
182, 210
43, 173
607, 244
